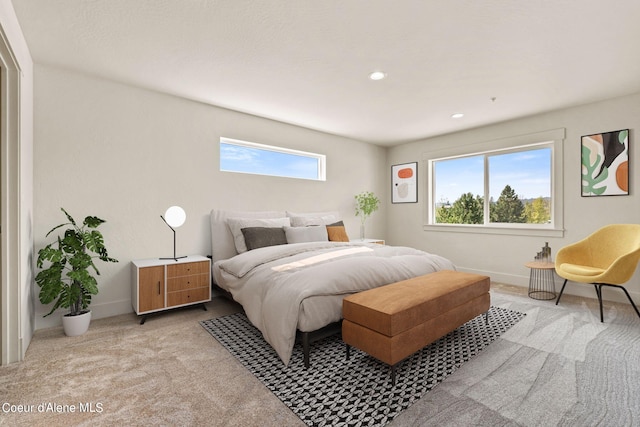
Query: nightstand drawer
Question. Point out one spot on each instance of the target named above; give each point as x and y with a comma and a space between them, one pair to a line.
187, 269
187, 297
187, 282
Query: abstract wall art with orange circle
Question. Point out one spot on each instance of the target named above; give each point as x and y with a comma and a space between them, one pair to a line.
605, 164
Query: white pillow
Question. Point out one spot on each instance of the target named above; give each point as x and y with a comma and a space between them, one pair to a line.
306, 234
313, 218
222, 242
237, 224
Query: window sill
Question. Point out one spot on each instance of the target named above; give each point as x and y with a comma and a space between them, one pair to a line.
504, 230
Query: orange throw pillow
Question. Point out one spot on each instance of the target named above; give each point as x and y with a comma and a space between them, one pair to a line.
337, 234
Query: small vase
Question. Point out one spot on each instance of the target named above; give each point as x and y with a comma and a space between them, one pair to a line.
362, 231
76, 325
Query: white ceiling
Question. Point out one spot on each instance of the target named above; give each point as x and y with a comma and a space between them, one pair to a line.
306, 62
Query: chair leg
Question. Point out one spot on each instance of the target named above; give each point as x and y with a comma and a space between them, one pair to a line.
561, 291
598, 287
627, 294
631, 301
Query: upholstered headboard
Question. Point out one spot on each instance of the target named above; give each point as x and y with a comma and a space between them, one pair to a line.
223, 244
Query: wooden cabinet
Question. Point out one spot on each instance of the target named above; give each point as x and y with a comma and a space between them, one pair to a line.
150, 289
161, 284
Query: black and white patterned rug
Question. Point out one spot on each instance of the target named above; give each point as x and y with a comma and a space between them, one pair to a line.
339, 392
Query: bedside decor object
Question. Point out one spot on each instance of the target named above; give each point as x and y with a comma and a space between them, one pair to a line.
175, 216
366, 204
68, 279
605, 164
158, 285
545, 254
404, 183
542, 284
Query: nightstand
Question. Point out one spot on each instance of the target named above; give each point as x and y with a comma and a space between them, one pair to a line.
378, 241
163, 284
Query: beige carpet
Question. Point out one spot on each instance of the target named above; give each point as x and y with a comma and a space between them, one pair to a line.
558, 366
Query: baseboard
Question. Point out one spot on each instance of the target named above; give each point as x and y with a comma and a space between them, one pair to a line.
509, 279
114, 308
98, 311
572, 288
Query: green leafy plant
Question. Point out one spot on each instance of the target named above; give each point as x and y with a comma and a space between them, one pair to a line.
366, 204
68, 279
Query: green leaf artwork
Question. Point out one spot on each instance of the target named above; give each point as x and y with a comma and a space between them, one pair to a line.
590, 179
622, 136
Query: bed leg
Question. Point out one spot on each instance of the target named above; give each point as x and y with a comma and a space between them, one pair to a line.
305, 348
348, 351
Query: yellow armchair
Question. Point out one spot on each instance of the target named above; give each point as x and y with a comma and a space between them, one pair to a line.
608, 257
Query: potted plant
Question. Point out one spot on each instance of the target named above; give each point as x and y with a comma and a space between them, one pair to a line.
68, 279
366, 204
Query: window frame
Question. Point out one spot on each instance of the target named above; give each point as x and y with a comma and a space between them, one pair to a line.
321, 158
553, 139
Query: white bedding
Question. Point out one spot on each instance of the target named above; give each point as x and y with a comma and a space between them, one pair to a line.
301, 286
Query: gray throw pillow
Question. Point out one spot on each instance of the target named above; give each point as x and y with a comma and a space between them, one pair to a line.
259, 237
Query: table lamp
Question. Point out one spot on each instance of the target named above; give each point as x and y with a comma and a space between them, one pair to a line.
175, 216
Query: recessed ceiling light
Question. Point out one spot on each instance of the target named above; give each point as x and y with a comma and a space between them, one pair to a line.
457, 116
377, 75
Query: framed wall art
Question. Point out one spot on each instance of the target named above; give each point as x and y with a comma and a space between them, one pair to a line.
605, 164
404, 183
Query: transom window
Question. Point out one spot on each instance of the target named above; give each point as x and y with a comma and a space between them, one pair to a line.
252, 158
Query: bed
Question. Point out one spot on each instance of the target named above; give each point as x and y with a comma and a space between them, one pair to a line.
290, 271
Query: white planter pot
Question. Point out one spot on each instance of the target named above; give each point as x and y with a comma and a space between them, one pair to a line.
76, 325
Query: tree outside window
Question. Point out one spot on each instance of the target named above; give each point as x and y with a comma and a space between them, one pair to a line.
518, 182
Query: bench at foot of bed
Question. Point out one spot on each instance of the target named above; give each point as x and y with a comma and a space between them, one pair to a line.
394, 321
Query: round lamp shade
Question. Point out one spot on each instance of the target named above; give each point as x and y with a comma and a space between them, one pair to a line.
175, 216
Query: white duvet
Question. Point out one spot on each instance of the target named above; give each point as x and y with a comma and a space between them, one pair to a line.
274, 283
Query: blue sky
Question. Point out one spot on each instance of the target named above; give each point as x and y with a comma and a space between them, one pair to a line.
527, 172
237, 158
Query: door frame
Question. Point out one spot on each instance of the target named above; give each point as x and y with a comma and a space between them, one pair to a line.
10, 248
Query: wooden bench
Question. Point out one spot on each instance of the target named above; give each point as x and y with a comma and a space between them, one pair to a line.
394, 321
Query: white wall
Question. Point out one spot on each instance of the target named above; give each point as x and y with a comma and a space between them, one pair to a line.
503, 257
126, 154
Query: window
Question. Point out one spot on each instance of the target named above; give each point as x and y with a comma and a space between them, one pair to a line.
520, 186
252, 158
504, 187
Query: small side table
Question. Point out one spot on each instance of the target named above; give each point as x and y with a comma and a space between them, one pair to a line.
365, 240
541, 280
